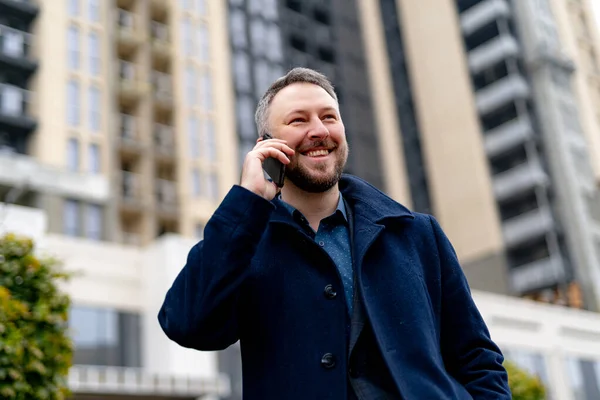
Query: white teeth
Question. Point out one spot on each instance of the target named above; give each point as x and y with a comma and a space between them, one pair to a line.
317, 153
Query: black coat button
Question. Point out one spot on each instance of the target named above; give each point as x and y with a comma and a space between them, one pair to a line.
330, 293
328, 360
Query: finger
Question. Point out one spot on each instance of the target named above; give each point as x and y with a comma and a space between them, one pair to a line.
263, 142
278, 145
267, 152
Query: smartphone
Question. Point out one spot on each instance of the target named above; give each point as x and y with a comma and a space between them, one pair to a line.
273, 167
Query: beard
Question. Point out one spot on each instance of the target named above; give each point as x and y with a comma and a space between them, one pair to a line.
311, 182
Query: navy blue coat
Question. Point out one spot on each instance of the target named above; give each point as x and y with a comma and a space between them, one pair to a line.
258, 278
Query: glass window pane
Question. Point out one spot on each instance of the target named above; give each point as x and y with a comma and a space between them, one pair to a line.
71, 218
212, 186
196, 184
257, 35
203, 43
95, 109
245, 116
73, 47
191, 85
73, 103
94, 158
187, 36
273, 38
207, 102
237, 26
241, 69
93, 222
210, 144
262, 77
193, 137
201, 7
73, 155
94, 52
73, 7
94, 10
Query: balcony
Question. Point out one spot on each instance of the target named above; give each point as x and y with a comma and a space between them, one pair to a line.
15, 51
129, 34
15, 106
508, 136
482, 14
518, 180
130, 144
161, 46
22, 10
166, 197
538, 275
131, 86
139, 383
492, 52
528, 226
162, 86
164, 142
494, 96
131, 192
25, 171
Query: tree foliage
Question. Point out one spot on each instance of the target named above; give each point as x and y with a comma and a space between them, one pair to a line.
523, 385
35, 348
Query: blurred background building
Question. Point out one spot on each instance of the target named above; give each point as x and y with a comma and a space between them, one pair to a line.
124, 122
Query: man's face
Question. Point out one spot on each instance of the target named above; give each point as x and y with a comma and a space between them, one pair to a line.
308, 118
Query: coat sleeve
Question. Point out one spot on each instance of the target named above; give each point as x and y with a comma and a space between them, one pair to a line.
469, 353
200, 310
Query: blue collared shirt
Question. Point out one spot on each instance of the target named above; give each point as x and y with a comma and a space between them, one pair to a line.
334, 236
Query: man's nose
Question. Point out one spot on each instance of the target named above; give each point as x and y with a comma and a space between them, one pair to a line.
318, 130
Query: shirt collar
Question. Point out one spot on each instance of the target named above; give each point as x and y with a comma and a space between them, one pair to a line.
341, 207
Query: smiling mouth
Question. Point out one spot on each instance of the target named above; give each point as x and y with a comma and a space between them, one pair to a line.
317, 153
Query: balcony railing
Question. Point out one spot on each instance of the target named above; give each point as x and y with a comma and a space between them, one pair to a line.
131, 187
116, 380
127, 71
166, 194
14, 43
164, 139
128, 128
159, 31
14, 101
162, 84
126, 20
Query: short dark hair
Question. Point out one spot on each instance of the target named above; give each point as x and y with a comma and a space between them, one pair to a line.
295, 75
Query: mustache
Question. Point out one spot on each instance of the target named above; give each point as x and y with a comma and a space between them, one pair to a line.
327, 144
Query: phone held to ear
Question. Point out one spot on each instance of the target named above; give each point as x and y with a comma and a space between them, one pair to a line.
273, 167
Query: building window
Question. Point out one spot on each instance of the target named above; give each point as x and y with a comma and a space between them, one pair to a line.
73, 103
187, 36
212, 186
203, 43
207, 103
94, 10
262, 77
73, 47
241, 70
94, 109
191, 85
193, 137
257, 35
94, 49
94, 158
105, 337
201, 7
273, 39
73, 154
93, 222
73, 7
210, 146
237, 26
71, 218
12, 99
196, 184
245, 117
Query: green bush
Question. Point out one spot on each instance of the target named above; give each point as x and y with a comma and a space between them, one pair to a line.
35, 348
523, 385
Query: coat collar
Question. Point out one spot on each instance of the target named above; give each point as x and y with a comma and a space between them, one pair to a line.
367, 202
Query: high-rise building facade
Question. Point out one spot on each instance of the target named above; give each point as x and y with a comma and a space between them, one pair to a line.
497, 102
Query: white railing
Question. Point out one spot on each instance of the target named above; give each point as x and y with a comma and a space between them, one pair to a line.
14, 100
117, 380
164, 140
127, 70
159, 31
128, 127
13, 42
125, 20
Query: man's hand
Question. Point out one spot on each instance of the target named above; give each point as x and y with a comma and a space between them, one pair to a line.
253, 177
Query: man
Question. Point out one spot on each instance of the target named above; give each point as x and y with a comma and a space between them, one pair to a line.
334, 290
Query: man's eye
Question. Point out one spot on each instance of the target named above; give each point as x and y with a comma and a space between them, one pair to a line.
297, 120
329, 116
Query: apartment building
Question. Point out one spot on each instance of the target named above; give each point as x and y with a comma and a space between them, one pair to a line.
496, 104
